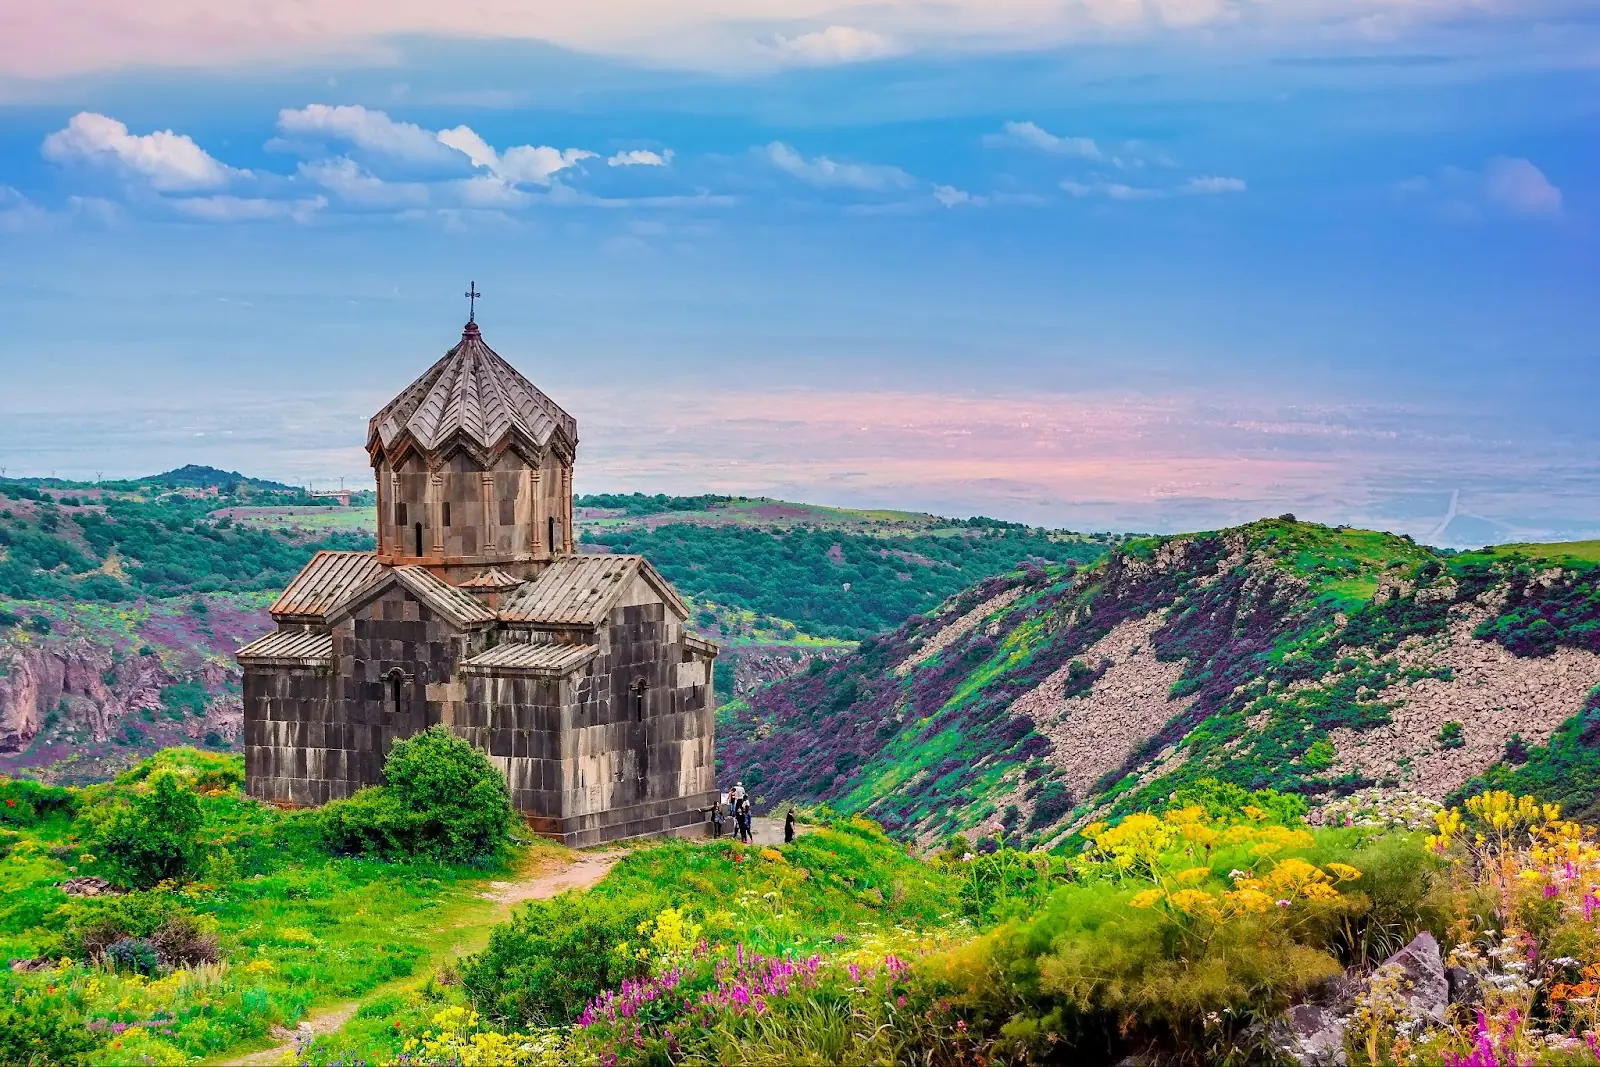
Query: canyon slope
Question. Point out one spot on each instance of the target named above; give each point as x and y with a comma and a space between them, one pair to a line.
121, 603
1281, 654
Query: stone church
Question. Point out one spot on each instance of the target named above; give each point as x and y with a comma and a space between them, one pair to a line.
576, 674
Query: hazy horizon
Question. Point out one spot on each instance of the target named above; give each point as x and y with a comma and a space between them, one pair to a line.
1157, 267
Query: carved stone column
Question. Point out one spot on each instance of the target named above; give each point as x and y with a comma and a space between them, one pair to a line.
537, 544
567, 538
435, 517
488, 545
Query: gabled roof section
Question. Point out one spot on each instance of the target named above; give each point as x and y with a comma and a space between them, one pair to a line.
492, 579
289, 648
580, 591
323, 585
703, 646
460, 607
554, 661
473, 397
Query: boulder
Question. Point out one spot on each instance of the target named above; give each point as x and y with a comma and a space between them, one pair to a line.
1464, 986
1311, 1035
1428, 988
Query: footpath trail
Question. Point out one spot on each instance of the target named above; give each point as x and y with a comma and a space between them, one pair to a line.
580, 871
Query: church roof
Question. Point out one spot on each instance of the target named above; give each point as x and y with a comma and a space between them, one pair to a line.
461, 608
324, 583
492, 579
547, 659
290, 648
473, 396
580, 591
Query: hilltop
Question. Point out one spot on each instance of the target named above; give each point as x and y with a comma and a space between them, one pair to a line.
1319, 662
121, 602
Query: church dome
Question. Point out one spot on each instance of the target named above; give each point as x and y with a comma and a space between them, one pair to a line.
472, 399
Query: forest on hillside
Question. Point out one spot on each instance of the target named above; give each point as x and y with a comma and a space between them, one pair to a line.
836, 583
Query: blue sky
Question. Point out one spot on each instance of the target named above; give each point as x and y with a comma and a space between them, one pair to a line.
1164, 270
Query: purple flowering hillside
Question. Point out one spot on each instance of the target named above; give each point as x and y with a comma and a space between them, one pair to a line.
1313, 661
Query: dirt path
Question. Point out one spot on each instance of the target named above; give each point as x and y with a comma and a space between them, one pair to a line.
583, 871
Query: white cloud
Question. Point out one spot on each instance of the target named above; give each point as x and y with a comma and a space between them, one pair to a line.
466, 141
1031, 135
345, 178
950, 196
373, 131
837, 44
826, 173
1507, 186
247, 209
1215, 184
1110, 190
1520, 187
170, 161
640, 157
376, 132
533, 164
536, 163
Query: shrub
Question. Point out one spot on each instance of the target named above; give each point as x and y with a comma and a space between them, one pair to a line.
154, 836
553, 957
42, 1029
24, 802
443, 801
1451, 736
155, 921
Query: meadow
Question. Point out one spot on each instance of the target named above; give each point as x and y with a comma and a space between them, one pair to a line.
1181, 934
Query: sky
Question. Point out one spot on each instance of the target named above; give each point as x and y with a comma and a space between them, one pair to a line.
1152, 265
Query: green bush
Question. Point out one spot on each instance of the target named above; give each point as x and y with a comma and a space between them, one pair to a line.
554, 955
173, 934
41, 1029
151, 838
443, 801
24, 802
1089, 973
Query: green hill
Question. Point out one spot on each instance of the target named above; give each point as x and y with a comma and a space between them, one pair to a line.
1315, 661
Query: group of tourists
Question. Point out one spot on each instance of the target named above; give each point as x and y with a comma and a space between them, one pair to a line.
735, 804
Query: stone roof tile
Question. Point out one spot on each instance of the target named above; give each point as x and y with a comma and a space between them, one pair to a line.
474, 395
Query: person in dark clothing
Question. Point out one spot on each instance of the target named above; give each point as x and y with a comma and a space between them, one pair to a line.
716, 819
788, 827
744, 820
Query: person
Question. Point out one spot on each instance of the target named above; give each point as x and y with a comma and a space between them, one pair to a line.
788, 826
716, 818
744, 820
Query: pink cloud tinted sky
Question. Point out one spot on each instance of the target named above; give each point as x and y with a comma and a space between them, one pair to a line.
1084, 461
71, 36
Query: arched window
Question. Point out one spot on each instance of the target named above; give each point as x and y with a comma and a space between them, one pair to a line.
446, 509
394, 695
638, 690
557, 543
418, 530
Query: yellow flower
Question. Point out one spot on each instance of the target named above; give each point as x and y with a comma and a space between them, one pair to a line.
1147, 898
1342, 871
1193, 874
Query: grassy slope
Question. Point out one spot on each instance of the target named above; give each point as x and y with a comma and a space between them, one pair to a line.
300, 929
1253, 611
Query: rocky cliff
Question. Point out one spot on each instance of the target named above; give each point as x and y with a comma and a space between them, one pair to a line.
86, 690
1319, 661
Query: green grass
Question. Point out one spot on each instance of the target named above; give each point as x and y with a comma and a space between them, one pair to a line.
1586, 551
298, 929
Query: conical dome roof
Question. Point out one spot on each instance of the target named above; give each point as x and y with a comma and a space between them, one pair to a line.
473, 399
